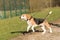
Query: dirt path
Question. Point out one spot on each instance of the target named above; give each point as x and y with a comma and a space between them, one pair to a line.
38, 36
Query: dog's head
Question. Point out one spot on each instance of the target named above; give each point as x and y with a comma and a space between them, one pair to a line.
25, 16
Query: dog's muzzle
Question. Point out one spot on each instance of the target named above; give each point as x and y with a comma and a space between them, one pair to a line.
19, 17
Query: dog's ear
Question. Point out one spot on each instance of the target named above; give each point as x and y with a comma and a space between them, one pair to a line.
28, 16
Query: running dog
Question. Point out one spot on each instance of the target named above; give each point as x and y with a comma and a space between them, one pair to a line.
33, 22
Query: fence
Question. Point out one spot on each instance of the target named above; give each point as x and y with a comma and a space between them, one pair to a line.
10, 8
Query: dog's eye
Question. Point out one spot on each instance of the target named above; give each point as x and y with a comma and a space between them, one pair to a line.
23, 16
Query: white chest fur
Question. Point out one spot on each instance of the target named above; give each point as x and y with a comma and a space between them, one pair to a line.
29, 23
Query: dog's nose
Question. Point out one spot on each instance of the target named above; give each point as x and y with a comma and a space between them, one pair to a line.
20, 17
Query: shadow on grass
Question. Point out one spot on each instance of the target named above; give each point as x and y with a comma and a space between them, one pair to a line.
25, 32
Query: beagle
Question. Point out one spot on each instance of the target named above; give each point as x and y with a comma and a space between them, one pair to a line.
33, 22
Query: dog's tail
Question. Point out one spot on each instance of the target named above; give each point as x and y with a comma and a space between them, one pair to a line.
54, 24
48, 14
58, 25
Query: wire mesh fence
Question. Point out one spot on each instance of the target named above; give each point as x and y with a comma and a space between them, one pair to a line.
10, 8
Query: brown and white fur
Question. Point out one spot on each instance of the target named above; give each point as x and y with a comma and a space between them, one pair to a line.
31, 23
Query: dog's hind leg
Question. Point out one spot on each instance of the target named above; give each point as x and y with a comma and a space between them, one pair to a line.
43, 28
48, 26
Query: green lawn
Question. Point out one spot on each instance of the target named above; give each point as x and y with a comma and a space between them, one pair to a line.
15, 24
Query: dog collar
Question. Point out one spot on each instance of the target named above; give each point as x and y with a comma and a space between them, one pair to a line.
30, 18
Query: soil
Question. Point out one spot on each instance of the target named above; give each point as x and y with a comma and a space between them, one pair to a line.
38, 34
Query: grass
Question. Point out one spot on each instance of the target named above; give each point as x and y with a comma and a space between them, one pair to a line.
10, 25
15, 24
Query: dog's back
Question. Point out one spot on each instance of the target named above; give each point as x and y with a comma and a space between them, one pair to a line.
38, 20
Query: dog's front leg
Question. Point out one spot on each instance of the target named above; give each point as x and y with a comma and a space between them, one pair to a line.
33, 28
28, 28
